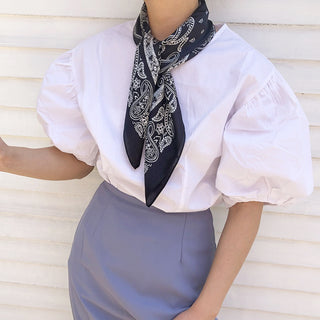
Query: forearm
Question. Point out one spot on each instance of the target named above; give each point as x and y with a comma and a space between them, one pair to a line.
235, 242
44, 163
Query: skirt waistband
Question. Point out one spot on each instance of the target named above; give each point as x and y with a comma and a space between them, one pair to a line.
122, 196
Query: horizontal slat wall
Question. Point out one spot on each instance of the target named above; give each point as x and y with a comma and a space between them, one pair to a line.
73, 8
267, 11
280, 278
258, 11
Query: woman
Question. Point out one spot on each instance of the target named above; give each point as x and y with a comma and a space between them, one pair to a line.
177, 114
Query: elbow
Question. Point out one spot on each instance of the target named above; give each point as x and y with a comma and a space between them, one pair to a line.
85, 169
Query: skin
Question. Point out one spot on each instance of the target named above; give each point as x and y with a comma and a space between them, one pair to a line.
44, 163
161, 18
243, 218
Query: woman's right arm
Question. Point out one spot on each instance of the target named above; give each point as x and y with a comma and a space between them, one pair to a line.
44, 163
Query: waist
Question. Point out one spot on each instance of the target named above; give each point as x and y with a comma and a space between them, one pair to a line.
134, 202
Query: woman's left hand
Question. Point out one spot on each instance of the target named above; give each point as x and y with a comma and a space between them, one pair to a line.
192, 314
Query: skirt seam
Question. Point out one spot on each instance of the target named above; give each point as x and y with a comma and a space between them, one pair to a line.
182, 238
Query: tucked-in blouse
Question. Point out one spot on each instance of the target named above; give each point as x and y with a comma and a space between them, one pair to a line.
247, 137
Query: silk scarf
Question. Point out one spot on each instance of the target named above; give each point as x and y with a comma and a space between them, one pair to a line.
153, 123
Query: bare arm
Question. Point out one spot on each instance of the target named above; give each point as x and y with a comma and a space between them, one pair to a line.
235, 242
44, 163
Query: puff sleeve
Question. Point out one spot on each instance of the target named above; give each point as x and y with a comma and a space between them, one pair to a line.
59, 113
266, 153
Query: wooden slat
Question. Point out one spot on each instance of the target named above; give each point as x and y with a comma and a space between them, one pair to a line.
259, 11
75, 187
25, 141
23, 227
34, 274
282, 41
285, 252
316, 172
69, 198
49, 32
29, 89
275, 41
315, 138
33, 63
267, 11
279, 277
44, 199
309, 205
302, 76
16, 121
28, 92
274, 300
73, 8
24, 122
246, 314
49, 205
22, 313
252, 274
26, 63
268, 251
36, 252
61, 198
311, 106
281, 225
45, 204
34, 296
36, 142
80, 186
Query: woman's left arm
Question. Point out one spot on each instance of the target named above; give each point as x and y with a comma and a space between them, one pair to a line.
234, 245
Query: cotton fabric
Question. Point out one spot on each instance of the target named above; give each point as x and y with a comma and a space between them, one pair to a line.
247, 136
132, 262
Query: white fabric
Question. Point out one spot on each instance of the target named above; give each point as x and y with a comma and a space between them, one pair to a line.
247, 137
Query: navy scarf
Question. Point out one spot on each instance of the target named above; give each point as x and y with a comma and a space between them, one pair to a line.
153, 122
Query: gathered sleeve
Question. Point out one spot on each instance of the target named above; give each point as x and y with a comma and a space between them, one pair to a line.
59, 113
266, 154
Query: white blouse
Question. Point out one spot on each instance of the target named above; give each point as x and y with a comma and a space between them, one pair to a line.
247, 137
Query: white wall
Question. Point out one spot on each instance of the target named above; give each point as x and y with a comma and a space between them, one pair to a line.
280, 279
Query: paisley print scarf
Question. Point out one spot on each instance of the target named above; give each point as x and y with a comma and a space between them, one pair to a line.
153, 118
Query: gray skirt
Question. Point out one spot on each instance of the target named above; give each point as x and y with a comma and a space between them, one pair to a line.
131, 262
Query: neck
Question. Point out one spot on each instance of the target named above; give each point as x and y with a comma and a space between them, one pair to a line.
165, 16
